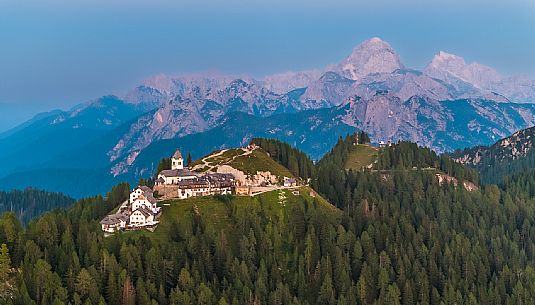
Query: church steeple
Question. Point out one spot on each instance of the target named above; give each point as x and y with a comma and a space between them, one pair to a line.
177, 162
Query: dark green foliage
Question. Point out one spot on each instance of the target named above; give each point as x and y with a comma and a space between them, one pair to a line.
363, 138
164, 164
407, 155
506, 157
189, 159
520, 184
402, 239
292, 158
147, 182
30, 203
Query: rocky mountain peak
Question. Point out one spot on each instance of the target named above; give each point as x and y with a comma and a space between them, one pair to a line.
371, 56
446, 66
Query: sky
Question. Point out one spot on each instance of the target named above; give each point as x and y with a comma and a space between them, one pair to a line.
58, 53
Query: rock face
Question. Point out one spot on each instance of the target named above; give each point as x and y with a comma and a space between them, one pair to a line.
371, 56
330, 90
288, 81
517, 146
403, 84
451, 104
441, 125
475, 79
445, 65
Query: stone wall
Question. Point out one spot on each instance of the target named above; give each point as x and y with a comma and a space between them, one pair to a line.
166, 191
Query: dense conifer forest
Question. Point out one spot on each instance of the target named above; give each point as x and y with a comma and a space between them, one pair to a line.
396, 236
29, 203
295, 160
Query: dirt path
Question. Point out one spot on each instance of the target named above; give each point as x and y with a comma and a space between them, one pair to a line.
205, 163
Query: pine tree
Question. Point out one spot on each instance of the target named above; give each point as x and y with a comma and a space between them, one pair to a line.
129, 292
6, 290
189, 160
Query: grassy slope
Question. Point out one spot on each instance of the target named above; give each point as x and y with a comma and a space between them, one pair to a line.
258, 160
361, 156
219, 216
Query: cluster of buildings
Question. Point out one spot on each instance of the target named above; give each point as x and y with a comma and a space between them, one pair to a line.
140, 211
180, 182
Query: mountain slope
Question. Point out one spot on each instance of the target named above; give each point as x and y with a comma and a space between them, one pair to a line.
313, 131
54, 134
452, 104
443, 126
475, 78
511, 155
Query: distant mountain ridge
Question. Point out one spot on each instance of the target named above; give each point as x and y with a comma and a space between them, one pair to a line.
506, 157
448, 105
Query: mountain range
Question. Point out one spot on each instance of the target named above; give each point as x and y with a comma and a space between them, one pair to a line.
448, 105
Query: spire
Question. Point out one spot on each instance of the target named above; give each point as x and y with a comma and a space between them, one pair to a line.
177, 162
177, 155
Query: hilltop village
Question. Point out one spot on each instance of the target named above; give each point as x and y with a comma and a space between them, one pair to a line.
142, 210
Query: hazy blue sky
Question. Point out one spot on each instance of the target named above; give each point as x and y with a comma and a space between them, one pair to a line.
61, 53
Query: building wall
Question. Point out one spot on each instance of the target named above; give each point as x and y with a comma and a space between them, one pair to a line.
137, 218
135, 194
167, 191
177, 163
141, 202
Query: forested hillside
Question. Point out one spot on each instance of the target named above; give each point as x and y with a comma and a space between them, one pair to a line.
397, 236
509, 156
292, 158
30, 203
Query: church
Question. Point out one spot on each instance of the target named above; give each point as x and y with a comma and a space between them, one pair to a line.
177, 172
180, 182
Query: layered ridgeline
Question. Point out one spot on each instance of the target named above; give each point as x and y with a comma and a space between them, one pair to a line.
398, 235
509, 156
449, 105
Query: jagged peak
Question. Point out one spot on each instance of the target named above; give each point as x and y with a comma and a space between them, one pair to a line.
371, 56
442, 55
444, 59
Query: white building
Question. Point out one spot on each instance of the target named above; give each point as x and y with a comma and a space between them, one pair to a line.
141, 217
140, 211
113, 223
140, 190
174, 176
177, 172
148, 203
177, 162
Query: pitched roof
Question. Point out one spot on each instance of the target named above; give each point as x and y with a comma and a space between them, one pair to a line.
113, 219
177, 155
144, 211
145, 189
151, 199
177, 173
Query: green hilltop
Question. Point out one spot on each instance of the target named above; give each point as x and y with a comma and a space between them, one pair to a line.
248, 161
361, 156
